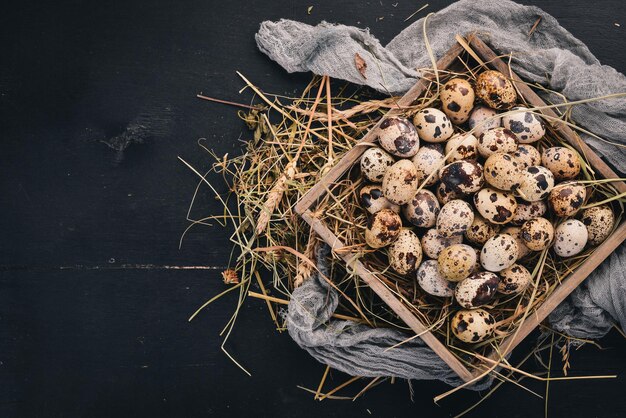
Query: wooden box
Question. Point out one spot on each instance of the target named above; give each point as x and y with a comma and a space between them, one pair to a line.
307, 206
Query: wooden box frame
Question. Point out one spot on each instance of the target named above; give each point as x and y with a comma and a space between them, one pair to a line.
305, 208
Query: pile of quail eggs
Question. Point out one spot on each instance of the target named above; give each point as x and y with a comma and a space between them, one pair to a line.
460, 196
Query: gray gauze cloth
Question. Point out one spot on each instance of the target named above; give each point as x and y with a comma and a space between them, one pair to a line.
552, 57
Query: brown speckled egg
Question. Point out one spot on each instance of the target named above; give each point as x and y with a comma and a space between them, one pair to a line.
562, 162
495, 90
428, 159
398, 136
514, 279
570, 238
374, 162
454, 218
405, 253
502, 171
382, 228
482, 119
432, 282
527, 155
472, 326
461, 147
528, 210
456, 262
481, 230
537, 234
566, 198
536, 183
457, 99
477, 290
527, 126
463, 176
515, 231
400, 182
599, 221
422, 210
433, 125
433, 243
496, 140
445, 194
495, 206
499, 252
373, 200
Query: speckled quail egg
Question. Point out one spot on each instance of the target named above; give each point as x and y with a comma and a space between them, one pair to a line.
495, 90
433, 125
461, 147
535, 184
499, 252
405, 253
428, 159
570, 238
515, 231
482, 119
599, 221
433, 243
480, 231
400, 182
477, 290
456, 262
445, 194
463, 176
527, 155
432, 282
527, 126
457, 99
566, 198
374, 162
496, 140
382, 228
528, 210
514, 280
454, 218
398, 136
562, 162
495, 206
422, 210
502, 171
472, 326
537, 233
373, 200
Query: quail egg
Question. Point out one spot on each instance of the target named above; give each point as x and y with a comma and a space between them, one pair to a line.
472, 326
461, 147
405, 253
535, 184
382, 228
433, 243
400, 182
454, 218
373, 200
527, 155
515, 232
456, 262
514, 279
570, 238
527, 126
528, 210
462, 176
599, 221
562, 162
495, 206
566, 198
427, 160
477, 290
482, 119
432, 282
481, 230
502, 171
433, 125
422, 210
398, 136
374, 162
445, 194
495, 90
457, 99
499, 252
537, 233
496, 140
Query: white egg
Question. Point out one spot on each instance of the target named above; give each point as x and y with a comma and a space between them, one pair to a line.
570, 238
527, 126
432, 282
499, 252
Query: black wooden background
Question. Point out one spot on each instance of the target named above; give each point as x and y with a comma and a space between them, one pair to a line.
92, 322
